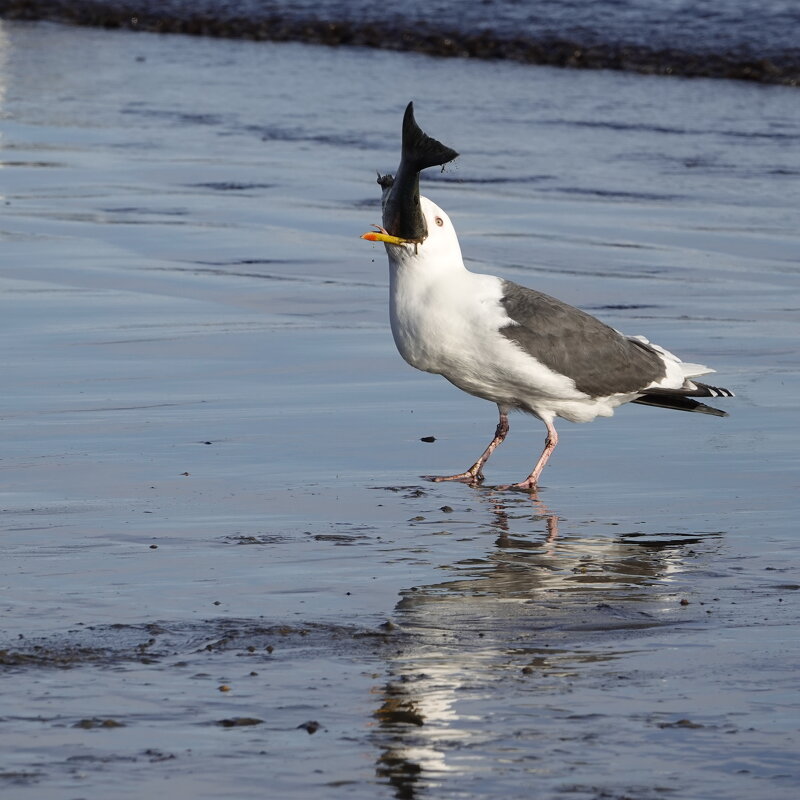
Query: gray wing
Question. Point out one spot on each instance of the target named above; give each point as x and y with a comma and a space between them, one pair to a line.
571, 342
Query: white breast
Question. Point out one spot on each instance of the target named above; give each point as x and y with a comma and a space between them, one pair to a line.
450, 325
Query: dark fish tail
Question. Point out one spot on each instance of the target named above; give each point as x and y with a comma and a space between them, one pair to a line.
402, 212
420, 150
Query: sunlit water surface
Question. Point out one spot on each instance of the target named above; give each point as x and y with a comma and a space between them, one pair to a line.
221, 573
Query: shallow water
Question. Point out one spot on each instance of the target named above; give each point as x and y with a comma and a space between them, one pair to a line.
754, 40
211, 449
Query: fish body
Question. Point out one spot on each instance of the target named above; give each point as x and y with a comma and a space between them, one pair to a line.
402, 213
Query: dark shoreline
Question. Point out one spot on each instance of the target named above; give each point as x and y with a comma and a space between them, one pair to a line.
418, 37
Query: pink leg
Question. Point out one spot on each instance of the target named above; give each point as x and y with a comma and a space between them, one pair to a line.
549, 445
475, 473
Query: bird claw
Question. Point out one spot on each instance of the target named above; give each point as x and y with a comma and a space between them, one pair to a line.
524, 486
471, 479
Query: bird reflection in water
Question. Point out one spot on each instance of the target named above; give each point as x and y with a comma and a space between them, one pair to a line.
548, 601
499, 509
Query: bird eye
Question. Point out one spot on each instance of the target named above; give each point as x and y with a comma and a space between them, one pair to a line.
439, 221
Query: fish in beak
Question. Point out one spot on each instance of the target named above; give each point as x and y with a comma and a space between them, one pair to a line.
403, 222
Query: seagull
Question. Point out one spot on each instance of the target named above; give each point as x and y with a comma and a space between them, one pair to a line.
519, 348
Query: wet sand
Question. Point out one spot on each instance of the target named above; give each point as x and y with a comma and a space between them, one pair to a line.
222, 575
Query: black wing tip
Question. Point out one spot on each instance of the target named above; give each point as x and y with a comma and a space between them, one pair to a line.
679, 402
713, 391
715, 412
692, 388
423, 150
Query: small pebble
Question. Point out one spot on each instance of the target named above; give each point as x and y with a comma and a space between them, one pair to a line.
312, 726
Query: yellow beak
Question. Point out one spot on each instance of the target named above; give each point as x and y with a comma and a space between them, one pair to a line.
381, 235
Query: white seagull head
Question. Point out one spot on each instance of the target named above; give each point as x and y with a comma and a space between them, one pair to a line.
439, 250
